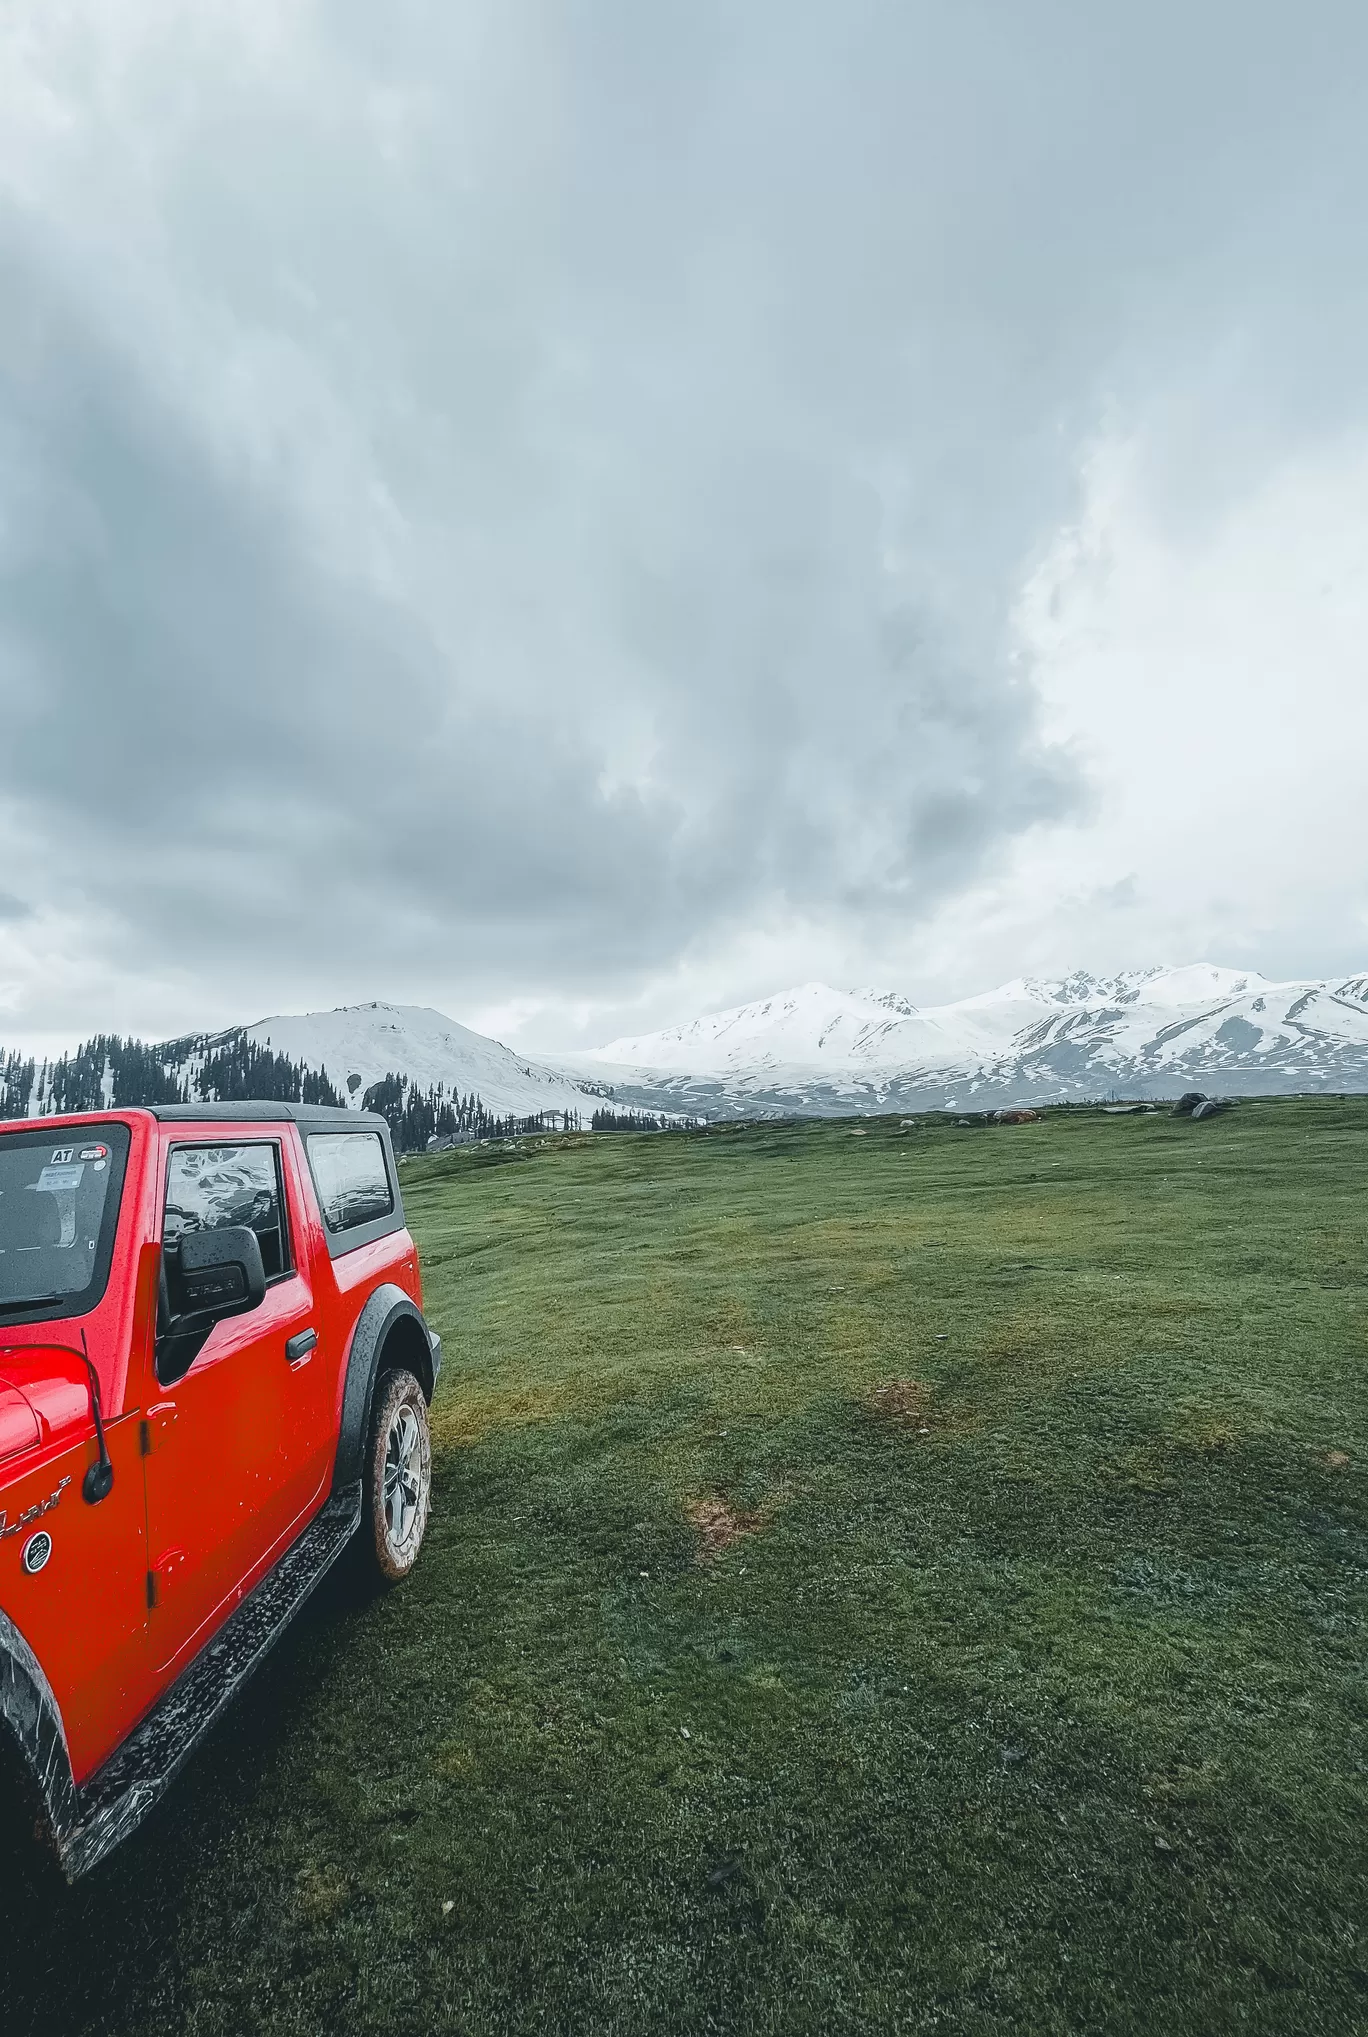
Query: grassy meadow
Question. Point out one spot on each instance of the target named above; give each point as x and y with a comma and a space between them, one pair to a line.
878, 1582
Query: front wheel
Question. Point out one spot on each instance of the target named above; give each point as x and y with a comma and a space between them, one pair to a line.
398, 1487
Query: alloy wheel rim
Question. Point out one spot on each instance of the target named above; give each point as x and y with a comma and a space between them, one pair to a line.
403, 1476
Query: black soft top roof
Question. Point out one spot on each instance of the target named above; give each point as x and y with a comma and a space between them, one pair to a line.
312, 1116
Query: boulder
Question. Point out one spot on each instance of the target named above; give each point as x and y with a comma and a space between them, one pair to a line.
1187, 1103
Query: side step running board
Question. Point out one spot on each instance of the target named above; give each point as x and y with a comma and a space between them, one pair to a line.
119, 1795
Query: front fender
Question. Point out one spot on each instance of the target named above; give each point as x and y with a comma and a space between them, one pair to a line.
389, 1324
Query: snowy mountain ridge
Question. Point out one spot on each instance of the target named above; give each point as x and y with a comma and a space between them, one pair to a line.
359, 1044
1143, 1032
816, 1050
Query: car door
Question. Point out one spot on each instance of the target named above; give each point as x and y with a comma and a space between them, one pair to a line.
229, 1469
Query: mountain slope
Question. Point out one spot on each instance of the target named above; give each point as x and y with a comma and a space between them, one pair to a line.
362, 1043
314, 1057
1148, 1032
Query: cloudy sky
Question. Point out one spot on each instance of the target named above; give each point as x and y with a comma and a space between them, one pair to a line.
575, 511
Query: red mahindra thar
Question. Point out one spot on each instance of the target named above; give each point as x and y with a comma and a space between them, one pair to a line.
214, 1377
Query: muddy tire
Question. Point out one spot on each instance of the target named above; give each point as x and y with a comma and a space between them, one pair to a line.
397, 1483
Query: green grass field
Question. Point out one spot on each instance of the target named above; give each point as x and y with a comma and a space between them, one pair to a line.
877, 1583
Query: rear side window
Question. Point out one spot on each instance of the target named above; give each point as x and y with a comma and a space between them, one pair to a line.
351, 1178
210, 1188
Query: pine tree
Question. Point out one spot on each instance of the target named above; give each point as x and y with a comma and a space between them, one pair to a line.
605, 1120
108, 1072
16, 1085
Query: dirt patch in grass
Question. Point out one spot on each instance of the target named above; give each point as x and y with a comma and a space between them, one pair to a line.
906, 1402
718, 1524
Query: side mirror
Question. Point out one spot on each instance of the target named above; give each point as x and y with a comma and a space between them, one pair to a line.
207, 1276
220, 1273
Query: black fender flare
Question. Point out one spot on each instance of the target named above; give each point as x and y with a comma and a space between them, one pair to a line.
31, 1720
389, 1316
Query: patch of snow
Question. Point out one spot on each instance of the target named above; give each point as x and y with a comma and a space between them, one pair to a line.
370, 1041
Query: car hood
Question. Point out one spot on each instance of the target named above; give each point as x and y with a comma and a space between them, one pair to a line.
44, 1395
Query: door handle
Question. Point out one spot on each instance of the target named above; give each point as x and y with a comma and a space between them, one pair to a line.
163, 1575
300, 1345
155, 1423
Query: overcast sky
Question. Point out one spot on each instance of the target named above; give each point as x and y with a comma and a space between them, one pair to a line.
576, 511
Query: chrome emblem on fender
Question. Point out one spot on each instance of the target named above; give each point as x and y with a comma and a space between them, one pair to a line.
36, 1551
40, 1506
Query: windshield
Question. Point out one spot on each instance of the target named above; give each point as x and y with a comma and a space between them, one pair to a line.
59, 1202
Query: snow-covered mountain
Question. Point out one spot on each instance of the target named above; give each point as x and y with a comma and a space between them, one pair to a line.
362, 1043
1147, 1032
818, 1051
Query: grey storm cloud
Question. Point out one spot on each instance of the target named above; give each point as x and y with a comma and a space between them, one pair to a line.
549, 483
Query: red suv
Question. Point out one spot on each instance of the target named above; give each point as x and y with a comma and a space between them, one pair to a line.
214, 1377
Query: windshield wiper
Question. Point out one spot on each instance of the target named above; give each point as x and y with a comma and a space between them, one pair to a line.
31, 1301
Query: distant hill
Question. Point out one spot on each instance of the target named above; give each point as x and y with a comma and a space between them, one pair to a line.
428, 1075
1144, 1033
360, 1044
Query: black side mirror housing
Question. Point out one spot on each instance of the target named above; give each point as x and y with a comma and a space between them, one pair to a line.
207, 1276
219, 1273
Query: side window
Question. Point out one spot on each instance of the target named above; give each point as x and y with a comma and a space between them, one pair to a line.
351, 1178
209, 1188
